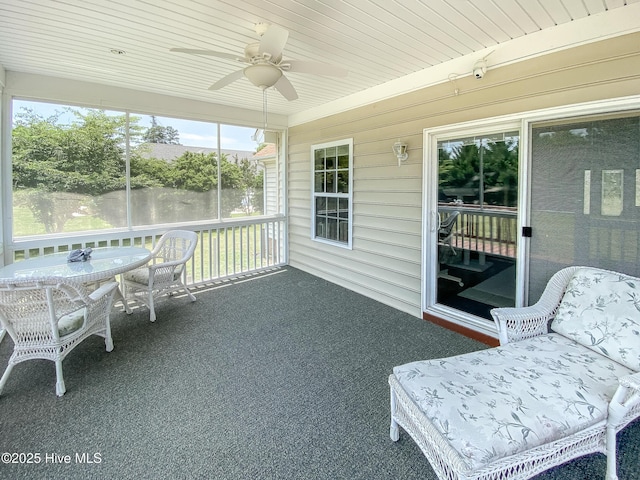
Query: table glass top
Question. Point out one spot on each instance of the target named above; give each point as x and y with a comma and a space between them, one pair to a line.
107, 260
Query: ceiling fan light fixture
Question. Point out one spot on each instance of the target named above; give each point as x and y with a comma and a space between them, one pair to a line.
263, 76
265, 68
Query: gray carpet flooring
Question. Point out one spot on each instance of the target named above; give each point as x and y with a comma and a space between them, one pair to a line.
276, 376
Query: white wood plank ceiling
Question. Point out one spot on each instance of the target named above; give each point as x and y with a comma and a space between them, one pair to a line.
377, 41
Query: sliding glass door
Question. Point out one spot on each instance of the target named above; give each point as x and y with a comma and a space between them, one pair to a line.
474, 222
585, 196
504, 211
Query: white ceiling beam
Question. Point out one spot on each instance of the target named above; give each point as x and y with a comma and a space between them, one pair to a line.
76, 92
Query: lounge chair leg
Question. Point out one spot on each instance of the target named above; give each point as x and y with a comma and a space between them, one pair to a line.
125, 303
612, 474
123, 299
5, 376
394, 431
108, 340
191, 296
60, 387
152, 311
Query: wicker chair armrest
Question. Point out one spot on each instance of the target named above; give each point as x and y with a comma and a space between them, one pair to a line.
102, 291
519, 323
169, 264
515, 324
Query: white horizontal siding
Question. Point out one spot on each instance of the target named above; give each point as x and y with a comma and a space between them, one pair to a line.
271, 188
385, 262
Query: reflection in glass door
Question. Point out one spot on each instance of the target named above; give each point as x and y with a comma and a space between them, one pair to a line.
476, 222
585, 196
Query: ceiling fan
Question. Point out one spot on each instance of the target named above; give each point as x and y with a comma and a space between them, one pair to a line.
265, 64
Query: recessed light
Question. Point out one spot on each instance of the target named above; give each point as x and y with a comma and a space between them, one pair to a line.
117, 51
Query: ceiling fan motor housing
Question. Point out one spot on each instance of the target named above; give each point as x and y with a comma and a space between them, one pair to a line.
265, 67
253, 55
263, 75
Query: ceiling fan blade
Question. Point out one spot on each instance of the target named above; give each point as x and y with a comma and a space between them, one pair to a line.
286, 89
195, 51
316, 68
224, 81
273, 41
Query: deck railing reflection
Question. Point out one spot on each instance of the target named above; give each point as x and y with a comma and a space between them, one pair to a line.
489, 230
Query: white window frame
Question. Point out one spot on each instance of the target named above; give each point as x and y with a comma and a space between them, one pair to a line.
349, 196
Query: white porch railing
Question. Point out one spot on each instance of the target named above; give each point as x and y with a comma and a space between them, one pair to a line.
225, 249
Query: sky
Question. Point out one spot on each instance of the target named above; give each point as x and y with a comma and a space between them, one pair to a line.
192, 133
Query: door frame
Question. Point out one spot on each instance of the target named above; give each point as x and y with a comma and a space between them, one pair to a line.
429, 218
520, 121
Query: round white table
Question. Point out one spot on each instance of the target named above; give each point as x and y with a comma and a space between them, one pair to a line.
104, 263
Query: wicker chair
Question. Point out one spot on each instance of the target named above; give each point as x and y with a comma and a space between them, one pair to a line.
47, 318
164, 272
445, 246
540, 399
445, 231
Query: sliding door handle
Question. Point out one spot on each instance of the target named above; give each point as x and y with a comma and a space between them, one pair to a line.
435, 223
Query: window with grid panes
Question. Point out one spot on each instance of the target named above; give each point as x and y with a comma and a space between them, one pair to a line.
332, 167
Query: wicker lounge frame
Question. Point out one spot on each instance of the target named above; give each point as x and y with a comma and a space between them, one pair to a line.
514, 325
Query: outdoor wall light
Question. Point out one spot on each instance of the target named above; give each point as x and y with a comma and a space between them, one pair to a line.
400, 150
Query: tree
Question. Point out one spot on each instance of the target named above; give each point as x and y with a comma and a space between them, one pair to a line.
62, 171
195, 171
459, 168
86, 156
149, 172
501, 159
495, 164
59, 166
159, 134
252, 182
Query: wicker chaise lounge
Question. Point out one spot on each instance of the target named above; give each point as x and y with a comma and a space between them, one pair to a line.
539, 399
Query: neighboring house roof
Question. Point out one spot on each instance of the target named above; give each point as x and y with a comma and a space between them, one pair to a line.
268, 151
168, 152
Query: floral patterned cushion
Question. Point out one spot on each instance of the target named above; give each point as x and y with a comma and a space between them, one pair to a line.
141, 275
601, 310
497, 402
71, 322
